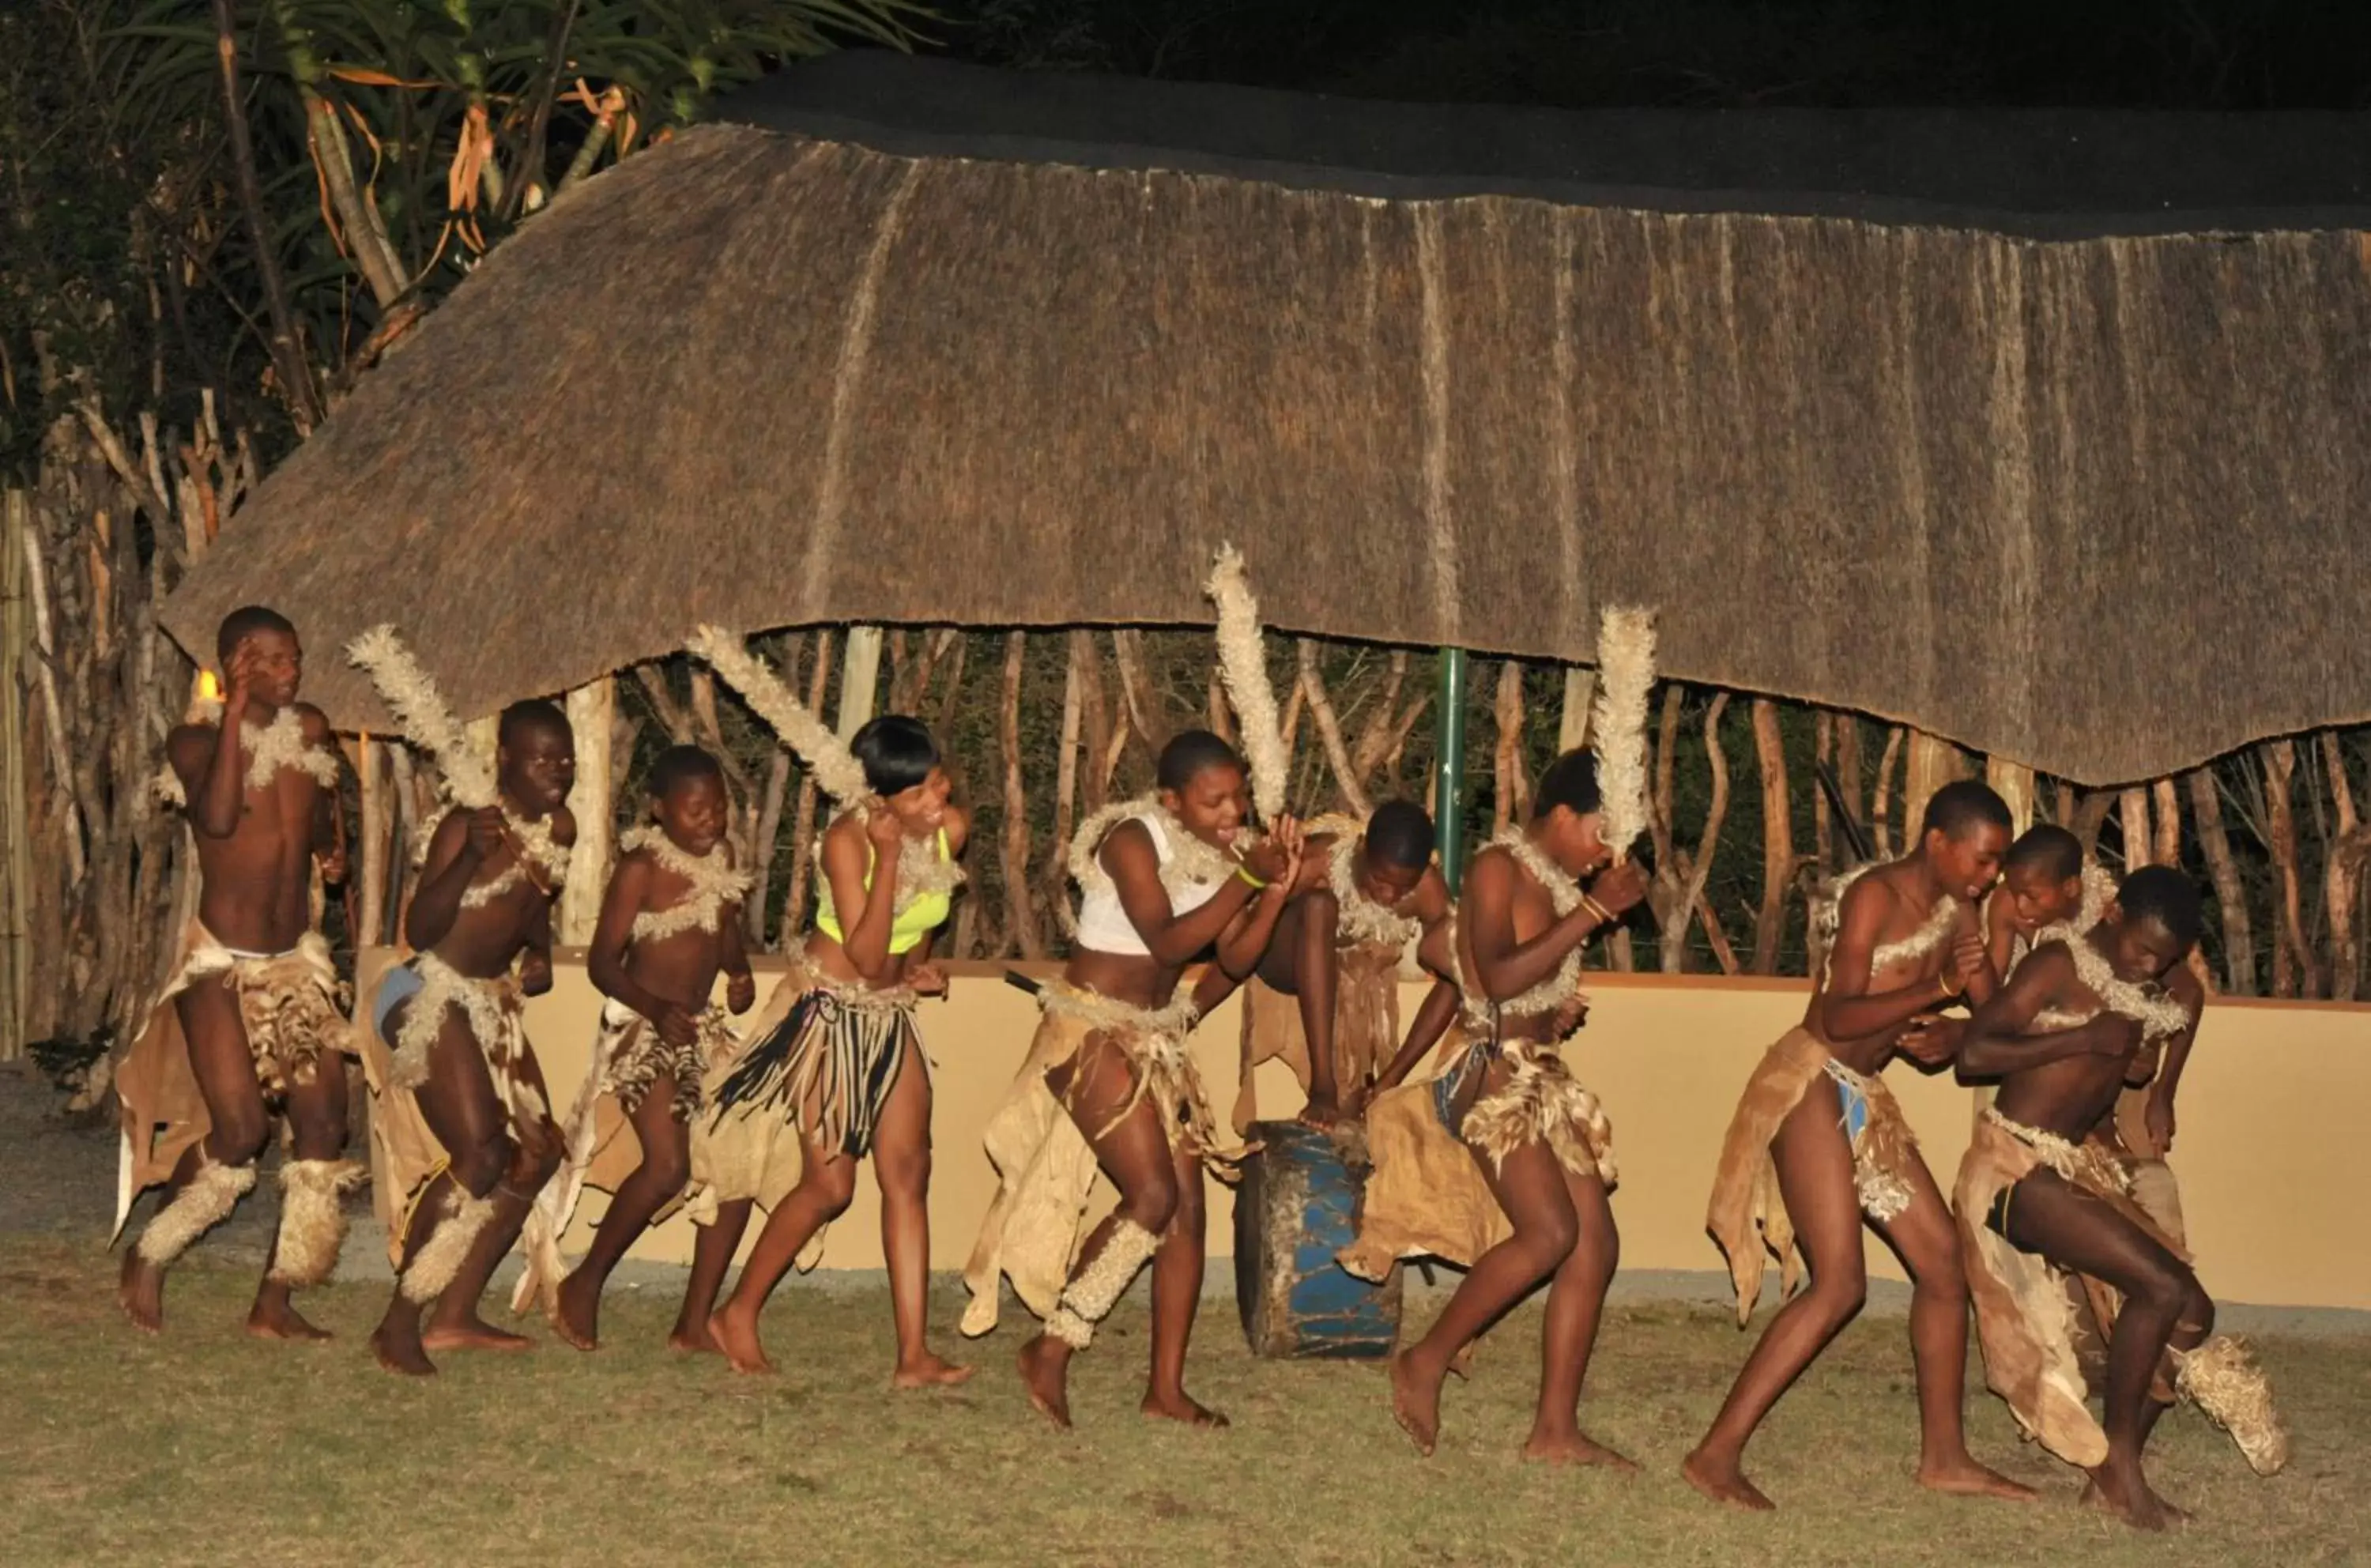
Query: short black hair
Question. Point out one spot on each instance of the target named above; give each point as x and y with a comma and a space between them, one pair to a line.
245, 622
1189, 754
897, 754
1963, 806
2164, 895
2048, 848
1400, 834
680, 765
1570, 782
534, 716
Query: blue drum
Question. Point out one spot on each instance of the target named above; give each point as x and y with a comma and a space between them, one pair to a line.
1296, 1206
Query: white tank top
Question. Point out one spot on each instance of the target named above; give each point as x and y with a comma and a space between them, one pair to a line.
1103, 926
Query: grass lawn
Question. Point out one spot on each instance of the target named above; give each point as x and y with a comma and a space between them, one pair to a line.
205, 1447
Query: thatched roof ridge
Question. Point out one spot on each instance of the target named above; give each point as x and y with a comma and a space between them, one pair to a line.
2050, 173
2095, 505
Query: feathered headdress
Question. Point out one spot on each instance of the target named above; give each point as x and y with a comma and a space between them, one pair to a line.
421, 716
834, 766
1244, 669
1625, 672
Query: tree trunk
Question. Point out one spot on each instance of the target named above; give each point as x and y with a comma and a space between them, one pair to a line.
1510, 789
1094, 727
1329, 731
1777, 838
2293, 966
2342, 874
1066, 789
1021, 914
591, 713
1682, 882
2013, 782
1579, 694
2132, 818
1933, 762
2230, 892
802, 820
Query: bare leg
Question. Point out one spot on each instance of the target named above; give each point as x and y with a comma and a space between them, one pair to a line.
1177, 1293
826, 1183
2163, 1306
454, 1322
665, 1167
1926, 1240
1576, 1300
1135, 1154
225, 1069
1316, 975
901, 1162
1529, 1186
466, 1117
1815, 1178
317, 1119
712, 1258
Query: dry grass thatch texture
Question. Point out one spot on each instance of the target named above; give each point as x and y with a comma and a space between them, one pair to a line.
2089, 505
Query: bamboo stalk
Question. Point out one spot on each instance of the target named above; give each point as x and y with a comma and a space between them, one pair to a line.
2230, 894
1021, 914
1777, 838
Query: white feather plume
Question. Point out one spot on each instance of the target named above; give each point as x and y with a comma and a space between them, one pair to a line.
420, 713
1625, 673
834, 766
1244, 669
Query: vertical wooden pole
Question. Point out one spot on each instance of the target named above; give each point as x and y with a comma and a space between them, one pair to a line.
370, 866
1572, 724
1777, 837
2133, 817
1448, 766
14, 825
2013, 782
860, 675
1933, 762
591, 713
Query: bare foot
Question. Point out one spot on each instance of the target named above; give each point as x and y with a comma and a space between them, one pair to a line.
1572, 1448
1180, 1407
1045, 1365
929, 1371
737, 1342
576, 1315
1963, 1477
2128, 1499
472, 1332
1724, 1483
141, 1291
693, 1339
398, 1351
280, 1320
1416, 1403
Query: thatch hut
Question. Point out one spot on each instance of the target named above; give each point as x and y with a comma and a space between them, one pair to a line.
2048, 432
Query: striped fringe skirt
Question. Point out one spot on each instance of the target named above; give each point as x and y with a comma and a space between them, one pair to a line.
828, 1069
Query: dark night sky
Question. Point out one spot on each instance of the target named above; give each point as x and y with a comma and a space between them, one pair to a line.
2226, 54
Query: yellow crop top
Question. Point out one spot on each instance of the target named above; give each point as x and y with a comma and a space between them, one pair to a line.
910, 925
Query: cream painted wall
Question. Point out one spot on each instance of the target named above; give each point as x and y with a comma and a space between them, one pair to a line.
2266, 1153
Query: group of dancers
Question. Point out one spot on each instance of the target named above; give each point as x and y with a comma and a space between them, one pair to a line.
1485, 1149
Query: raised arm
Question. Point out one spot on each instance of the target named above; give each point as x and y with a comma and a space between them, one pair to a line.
1997, 1042
1134, 866
1503, 966
850, 848
462, 842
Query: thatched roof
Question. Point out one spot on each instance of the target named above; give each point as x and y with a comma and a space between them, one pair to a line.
943, 346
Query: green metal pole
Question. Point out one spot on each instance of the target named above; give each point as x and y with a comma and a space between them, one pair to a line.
1448, 766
